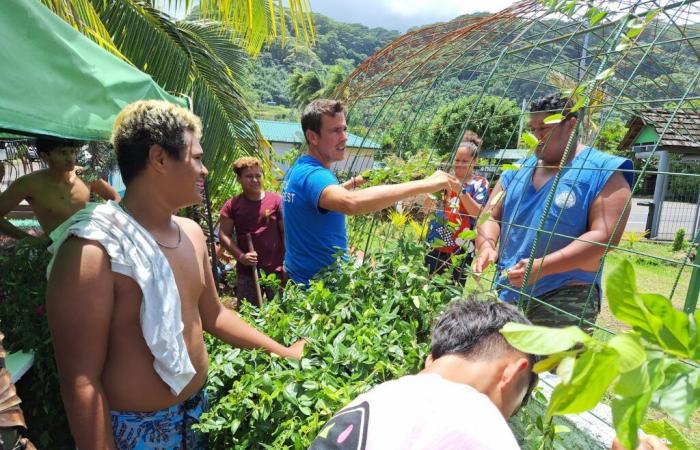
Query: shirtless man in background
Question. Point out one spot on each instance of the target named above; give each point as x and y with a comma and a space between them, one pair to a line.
54, 193
106, 369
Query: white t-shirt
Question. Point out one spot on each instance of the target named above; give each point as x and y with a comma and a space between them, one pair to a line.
418, 412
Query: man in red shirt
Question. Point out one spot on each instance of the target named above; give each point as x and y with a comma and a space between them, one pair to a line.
259, 213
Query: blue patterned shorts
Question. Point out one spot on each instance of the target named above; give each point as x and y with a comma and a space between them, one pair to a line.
167, 429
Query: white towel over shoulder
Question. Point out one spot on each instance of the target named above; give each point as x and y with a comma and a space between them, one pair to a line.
134, 253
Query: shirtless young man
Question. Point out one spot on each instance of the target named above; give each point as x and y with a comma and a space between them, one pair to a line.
54, 193
106, 368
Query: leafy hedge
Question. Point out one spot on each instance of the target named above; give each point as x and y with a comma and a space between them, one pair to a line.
364, 325
23, 320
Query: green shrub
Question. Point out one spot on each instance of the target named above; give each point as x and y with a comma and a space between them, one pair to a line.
679, 240
364, 325
23, 320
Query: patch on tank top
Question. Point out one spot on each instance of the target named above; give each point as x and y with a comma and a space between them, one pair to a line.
565, 199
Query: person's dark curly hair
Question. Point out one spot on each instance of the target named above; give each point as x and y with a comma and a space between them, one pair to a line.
554, 103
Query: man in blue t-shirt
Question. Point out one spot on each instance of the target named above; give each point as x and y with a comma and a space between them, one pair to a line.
588, 200
314, 204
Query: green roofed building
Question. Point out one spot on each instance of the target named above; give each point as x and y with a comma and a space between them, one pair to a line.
285, 136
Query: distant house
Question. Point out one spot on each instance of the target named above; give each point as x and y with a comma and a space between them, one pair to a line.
285, 136
680, 135
662, 132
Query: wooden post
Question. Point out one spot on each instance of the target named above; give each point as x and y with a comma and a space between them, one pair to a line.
255, 271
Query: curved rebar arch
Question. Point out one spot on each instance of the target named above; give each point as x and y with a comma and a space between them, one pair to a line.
522, 53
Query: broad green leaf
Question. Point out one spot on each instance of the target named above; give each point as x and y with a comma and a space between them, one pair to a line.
628, 413
554, 118
580, 103
636, 26
530, 140
505, 167
634, 391
566, 369
665, 430
483, 218
634, 32
674, 331
592, 11
561, 429
569, 8
598, 17
633, 383
604, 75
624, 44
543, 340
679, 395
630, 349
651, 15
467, 234
416, 301
551, 362
695, 335
592, 374
621, 292
635, 23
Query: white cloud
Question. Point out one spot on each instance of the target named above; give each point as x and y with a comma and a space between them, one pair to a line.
446, 8
402, 14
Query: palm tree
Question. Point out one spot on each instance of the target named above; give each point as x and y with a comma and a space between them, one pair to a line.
205, 59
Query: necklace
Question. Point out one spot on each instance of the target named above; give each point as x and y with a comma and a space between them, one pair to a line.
179, 230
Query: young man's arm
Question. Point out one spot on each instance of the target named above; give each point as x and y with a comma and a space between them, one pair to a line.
80, 299
229, 327
15, 193
487, 234
104, 190
229, 243
603, 214
337, 198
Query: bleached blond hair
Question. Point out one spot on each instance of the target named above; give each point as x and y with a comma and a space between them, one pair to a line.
145, 123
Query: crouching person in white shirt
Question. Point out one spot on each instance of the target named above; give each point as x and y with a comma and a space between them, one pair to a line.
472, 383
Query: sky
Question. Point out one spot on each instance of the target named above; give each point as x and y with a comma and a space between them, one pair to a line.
402, 14
397, 15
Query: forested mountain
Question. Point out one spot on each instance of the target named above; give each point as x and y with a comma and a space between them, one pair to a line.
339, 49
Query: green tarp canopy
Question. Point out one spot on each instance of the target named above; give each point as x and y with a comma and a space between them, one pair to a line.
55, 81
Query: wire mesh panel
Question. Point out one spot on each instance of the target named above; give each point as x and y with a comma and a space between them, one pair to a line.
630, 69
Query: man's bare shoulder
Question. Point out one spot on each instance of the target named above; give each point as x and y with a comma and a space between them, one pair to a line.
25, 182
190, 228
86, 257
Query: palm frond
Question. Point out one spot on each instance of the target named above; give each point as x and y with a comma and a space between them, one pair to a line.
197, 59
255, 22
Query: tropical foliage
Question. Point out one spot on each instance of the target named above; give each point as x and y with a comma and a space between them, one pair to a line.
202, 59
494, 119
645, 366
340, 47
23, 321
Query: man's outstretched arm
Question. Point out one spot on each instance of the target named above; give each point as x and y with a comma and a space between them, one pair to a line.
104, 190
15, 193
229, 327
376, 198
80, 301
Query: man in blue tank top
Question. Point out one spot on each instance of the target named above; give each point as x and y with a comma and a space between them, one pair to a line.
588, 201
314, 204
